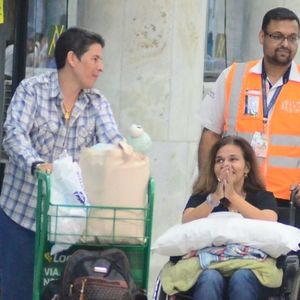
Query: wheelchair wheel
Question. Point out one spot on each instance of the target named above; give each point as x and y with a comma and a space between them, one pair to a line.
295, 294
159, 293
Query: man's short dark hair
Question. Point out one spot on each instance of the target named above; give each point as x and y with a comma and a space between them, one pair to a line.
77, 40
278, 14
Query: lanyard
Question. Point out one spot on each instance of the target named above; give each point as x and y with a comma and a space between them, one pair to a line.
266, 107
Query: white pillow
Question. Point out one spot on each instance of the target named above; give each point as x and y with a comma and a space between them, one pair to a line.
223, 228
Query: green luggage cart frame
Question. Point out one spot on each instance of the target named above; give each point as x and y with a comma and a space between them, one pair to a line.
49, 267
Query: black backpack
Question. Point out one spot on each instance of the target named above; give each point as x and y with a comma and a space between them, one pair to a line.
99, 275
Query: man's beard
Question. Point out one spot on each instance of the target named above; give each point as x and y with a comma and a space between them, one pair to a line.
277, 60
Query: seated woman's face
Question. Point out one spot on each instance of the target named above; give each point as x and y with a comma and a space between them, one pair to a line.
230, 163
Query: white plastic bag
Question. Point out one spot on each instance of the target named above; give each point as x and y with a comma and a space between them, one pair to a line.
67, 223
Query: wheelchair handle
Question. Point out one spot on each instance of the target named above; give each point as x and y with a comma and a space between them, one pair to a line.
293, 197
292, 213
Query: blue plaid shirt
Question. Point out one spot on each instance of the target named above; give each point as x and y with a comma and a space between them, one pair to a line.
35, 130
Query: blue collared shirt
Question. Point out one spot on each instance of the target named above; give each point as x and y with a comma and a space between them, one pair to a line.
35, 130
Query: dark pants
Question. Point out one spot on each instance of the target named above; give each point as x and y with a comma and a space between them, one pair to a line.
16, 260
211, 285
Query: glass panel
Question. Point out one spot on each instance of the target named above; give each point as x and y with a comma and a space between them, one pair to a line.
228, 26
9, 39
6, 93
46, 21
215, 54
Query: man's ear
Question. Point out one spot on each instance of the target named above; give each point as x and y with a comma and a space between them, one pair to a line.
261, 36
71, 59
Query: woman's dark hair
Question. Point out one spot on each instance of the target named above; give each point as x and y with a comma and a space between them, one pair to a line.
77, 40
207, 180
278, 14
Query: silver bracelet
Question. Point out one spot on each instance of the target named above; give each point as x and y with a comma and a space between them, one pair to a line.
211, 202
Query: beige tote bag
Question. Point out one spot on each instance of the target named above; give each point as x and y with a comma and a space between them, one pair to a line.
116, 178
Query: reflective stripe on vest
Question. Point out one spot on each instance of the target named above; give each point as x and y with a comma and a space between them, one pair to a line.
284, 162
284, 140
235, 97
246, 136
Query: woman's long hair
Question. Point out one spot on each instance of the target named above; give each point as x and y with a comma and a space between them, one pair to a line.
207, 180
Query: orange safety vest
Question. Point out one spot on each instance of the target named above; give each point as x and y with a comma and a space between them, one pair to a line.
281, 167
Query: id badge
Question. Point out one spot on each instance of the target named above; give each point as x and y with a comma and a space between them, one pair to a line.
259, 144
252, 102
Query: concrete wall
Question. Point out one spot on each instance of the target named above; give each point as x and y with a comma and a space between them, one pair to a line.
153, 76
154, 58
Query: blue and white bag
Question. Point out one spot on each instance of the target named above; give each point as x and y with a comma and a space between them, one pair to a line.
68, 210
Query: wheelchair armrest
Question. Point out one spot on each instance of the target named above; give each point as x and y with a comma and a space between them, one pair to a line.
287, 214
290, 267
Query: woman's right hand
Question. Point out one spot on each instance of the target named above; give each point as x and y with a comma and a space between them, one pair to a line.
45, 167
219, 193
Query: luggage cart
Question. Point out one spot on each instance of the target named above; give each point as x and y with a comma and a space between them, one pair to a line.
49, 267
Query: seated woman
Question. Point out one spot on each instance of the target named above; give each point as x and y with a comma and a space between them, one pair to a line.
230, 182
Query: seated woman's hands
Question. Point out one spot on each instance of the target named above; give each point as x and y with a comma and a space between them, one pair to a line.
225, 187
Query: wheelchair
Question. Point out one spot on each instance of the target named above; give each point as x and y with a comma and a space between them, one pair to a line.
290, 287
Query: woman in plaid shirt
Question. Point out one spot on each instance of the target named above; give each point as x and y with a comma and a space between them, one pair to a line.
49, 114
